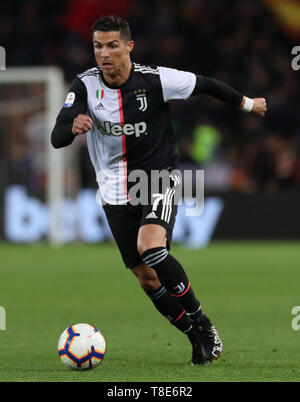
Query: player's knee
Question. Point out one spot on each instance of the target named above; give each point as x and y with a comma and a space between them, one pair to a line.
147, 243
151, 236
143, 246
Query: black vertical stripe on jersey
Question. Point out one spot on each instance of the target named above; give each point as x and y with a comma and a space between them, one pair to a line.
156, 149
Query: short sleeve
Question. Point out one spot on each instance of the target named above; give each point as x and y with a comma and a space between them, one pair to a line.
176, 84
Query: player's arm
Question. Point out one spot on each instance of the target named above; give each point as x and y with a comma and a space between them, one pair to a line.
224, 92
72, 119
178, 84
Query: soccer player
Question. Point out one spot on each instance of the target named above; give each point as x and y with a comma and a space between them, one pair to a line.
122, 108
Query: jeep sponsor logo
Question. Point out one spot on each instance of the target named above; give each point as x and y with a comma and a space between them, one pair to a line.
127, 128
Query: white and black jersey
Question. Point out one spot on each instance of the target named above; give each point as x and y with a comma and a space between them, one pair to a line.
132, 127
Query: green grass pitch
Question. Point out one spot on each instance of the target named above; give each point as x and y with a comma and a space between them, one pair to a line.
247, 289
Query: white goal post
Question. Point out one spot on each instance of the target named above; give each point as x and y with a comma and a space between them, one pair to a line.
53, 79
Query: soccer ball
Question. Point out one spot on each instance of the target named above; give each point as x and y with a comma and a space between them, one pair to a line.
81, 346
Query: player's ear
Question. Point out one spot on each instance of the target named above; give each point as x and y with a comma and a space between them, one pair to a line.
130, 45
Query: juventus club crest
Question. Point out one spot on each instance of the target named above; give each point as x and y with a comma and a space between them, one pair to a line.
141, 99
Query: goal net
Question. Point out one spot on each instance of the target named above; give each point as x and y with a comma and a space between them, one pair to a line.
31, 181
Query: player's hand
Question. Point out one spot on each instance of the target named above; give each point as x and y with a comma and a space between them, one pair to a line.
82, 124
259, 107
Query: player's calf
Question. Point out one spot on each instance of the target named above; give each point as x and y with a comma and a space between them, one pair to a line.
161, 298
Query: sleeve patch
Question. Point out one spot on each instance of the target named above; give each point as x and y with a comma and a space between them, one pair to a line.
69, 99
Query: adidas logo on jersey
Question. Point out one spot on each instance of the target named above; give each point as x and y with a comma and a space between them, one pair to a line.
127, 128
99, 107
151, 215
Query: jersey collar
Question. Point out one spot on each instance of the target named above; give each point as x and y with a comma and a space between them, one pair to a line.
120, 86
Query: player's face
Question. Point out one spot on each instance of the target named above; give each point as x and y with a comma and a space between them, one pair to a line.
111, 51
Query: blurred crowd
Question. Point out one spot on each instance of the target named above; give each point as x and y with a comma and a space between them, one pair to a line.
242, 44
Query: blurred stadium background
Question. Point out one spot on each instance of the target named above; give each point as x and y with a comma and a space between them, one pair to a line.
252, 165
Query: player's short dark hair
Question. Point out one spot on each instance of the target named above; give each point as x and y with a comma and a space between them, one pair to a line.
113, 23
